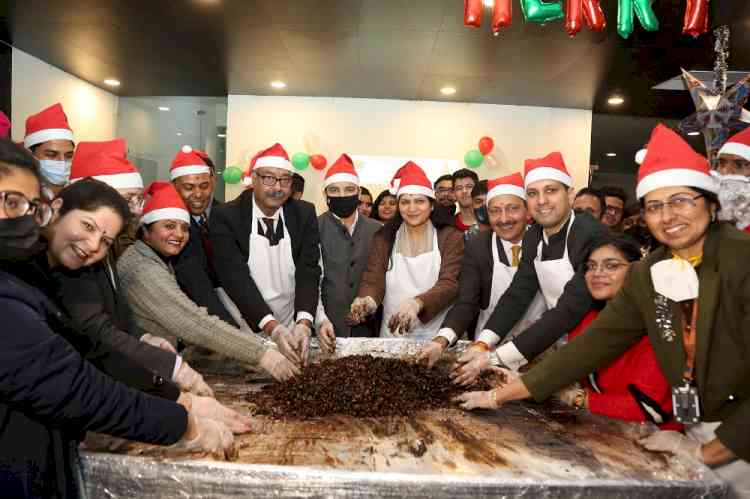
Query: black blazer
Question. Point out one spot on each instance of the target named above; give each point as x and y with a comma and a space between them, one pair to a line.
230, 237
192, 270
574, 303
474, 282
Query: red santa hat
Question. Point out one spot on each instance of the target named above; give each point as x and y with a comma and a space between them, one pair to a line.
48, 124
671, 162
164, 203
342, 170
105, 161
738, 144
4, 126
188, 161
273, 157
550, 167
509, 184
411, 179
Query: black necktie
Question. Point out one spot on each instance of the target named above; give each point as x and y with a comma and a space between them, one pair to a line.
273, 236
207, 248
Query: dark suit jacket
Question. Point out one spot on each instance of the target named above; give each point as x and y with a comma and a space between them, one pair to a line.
191, 268
474, 282
230, 237
722, 370
572, 306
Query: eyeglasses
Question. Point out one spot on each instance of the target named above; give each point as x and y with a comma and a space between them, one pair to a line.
607, 266
678, 204
270, 180
17, 205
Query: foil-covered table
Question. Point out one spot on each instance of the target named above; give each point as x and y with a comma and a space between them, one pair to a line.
523, 449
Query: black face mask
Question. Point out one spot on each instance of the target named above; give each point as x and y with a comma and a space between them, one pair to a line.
19, 237
343, 206
481, 214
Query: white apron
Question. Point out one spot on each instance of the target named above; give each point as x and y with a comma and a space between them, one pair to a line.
736, 473
272, 268
502, 275
553, 275
407, 278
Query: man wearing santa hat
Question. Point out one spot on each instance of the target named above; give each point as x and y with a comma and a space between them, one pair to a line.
734, 156
50, 140
552, 251
345, 239
266, 254
479, 290
733, 168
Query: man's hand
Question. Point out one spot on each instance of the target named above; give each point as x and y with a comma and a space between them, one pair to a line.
477, 400
189, 380
286, 342
327, 337
207, 435
432, 351
675, 443
278, 366
301, 333
467, 370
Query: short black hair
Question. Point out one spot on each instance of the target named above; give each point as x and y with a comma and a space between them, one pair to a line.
623, 243
298, 183
89, 195
615, 192
465, 173
376, 203
209, 162
364, 191
480, 189
590, 191
442, 178
13, 155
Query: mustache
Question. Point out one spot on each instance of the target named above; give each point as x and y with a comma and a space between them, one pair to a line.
276, 194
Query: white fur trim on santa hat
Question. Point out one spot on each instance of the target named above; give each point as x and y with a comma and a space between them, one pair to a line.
47, 135
676, 177
273, 162
165, 214
735, 148
341, 177
416, 189
181, 171
502, 189
547, 173
130, 180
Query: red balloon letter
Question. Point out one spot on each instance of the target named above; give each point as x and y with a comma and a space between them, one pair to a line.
696, 18
502, 15
592, 11
473, 13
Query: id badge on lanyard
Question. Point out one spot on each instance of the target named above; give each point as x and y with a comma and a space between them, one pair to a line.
685, 400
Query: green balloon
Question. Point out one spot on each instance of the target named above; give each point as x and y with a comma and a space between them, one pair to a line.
536, 11
232, 175
473, 158
300, 160
626, 18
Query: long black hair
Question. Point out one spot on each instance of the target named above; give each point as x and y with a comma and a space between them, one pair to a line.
623, 243
376, 204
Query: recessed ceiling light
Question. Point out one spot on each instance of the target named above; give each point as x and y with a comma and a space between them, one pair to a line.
615, 100
694, 133
448, 90
221, 135
278, 84
611, 154
489, 3
112, 82
163, 108
179, 134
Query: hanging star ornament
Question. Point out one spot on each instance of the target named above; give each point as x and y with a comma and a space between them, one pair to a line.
718, 115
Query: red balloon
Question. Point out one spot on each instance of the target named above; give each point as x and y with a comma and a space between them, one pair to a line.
485, 145
592, 11
502, 15
573, 16
696, 18
318, 161
473, 13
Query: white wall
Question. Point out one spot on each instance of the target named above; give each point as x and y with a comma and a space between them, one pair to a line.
441, 130
91, 111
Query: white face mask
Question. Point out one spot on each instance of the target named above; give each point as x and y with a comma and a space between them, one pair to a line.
56, 172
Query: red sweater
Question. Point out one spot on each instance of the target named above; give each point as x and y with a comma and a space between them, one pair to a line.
632, 387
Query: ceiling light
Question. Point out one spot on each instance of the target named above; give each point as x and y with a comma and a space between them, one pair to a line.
611, 154
163, 108
179, 134
489, 3
694, 133
448, 90
278, 84
615, 100
112, 82
221, 135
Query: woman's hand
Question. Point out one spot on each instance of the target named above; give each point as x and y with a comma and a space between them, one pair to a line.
405, 317
467, 369
327, 337
495, 398
362, 307
432, 351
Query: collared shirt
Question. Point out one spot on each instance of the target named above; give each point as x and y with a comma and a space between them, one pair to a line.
354, 225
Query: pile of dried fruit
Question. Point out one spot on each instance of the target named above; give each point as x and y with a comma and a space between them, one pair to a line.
360, 386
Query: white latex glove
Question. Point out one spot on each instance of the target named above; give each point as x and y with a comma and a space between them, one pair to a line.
570, 394
405, 317
301, 334
477, 400
189, 380
431, 353
285, 340
675, 443
158, 342
278, 366
210, 436
207, 407
467, 369
361, 308
327, 337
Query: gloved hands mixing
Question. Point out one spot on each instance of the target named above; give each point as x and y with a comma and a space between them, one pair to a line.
278, 366
207, 435
190, 381
675, 443
327, 337
206, 407
432, 351
405, 317
287, 343
361, 309
301, 337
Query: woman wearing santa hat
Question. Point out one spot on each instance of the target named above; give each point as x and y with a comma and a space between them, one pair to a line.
161, 308
691, 298
413, 265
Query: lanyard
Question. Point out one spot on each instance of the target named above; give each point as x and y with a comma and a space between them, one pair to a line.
689, 309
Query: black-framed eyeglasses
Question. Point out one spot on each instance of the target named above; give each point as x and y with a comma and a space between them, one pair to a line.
677, 204
17, 205
270, 180
607, 266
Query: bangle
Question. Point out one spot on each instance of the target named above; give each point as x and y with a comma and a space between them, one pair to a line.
493, 398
